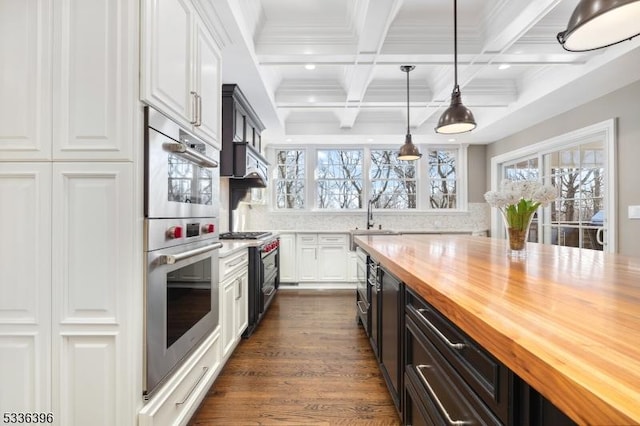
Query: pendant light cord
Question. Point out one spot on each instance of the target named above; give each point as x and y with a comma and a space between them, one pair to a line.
455, 44
408, 99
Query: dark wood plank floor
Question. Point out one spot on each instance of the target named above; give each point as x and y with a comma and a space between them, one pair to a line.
308, 362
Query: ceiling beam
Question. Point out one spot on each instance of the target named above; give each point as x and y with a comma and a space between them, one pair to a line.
372, 32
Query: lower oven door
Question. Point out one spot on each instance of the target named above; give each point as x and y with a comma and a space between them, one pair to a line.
363, 295
269, 279
181, 305
268, 292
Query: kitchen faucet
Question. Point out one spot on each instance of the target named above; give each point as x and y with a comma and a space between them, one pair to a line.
370, 214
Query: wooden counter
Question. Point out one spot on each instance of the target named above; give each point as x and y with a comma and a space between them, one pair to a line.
565, 320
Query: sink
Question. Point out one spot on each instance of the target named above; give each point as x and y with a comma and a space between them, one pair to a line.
356, 232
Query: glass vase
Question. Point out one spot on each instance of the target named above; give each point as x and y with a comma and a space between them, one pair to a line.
517, 236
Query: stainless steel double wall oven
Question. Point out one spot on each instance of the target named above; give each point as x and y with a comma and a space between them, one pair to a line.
181, 245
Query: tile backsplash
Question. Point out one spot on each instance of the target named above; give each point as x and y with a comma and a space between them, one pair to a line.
260, 217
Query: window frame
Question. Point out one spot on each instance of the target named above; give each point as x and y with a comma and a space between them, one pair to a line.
421, 175
605, 130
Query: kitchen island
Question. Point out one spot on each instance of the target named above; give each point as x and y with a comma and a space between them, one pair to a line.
565, 320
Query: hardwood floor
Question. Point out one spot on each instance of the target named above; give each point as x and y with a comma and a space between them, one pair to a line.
308, 362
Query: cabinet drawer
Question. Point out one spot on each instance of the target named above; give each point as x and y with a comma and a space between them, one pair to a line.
233, 263
479, 369
445, 396
308, 239
337, 239
180, 396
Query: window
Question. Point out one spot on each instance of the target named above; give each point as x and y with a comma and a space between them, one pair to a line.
393, 182
336, 178
290, 181
581, 165
443, 180
339, 180
577, 215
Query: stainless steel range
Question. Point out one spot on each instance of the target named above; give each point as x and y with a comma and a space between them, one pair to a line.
264, 273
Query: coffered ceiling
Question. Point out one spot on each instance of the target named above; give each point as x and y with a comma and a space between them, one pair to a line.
512, 71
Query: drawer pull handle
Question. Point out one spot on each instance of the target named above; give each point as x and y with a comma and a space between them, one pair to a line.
439, 333
195, 385
236, 263
436, 399
239, 282
360, 303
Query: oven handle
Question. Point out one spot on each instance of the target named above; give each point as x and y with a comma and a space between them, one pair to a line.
190, 154
270, 292
170, 259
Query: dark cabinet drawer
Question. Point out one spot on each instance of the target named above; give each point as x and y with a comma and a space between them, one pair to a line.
446, 396
416, 407
480, 371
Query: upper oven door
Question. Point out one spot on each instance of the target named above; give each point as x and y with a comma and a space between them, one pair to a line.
181, 171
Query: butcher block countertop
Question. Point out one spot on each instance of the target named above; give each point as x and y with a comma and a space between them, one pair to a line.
565, 320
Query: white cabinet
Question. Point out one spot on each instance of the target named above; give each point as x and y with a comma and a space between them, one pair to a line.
307, 257
25, 287
180, 397
92, 266
234, 309
288, 258
25, 85
352, 267
241, 304
180, 67
70, 270
95, 61
322, 257
69, 91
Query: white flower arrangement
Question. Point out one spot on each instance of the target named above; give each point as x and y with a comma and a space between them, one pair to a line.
518, 200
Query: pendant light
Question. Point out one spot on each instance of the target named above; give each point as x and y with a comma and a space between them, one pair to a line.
595, 24
457, 118
408, 151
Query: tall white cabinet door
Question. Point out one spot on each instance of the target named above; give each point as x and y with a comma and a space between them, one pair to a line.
242, 304
207, 85
228, 290
288, 258
307, 263
25, 79
25, 287
94, 74
92, 281
167, 31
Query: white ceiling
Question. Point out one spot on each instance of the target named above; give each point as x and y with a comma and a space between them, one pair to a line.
357, 91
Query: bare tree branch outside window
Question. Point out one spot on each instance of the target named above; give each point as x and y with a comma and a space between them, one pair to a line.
339, 179
393, 182
290, 181
442, 179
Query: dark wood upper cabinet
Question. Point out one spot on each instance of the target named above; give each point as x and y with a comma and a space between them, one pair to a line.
240, 126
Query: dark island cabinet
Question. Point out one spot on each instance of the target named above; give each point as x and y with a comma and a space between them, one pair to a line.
391, 320
450, 379
374, 283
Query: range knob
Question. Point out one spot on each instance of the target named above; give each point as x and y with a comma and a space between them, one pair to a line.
174, 232
208, 228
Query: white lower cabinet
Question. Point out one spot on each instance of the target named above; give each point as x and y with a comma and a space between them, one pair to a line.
288, 258
179, 398
67, 292
322, 257
234, 309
